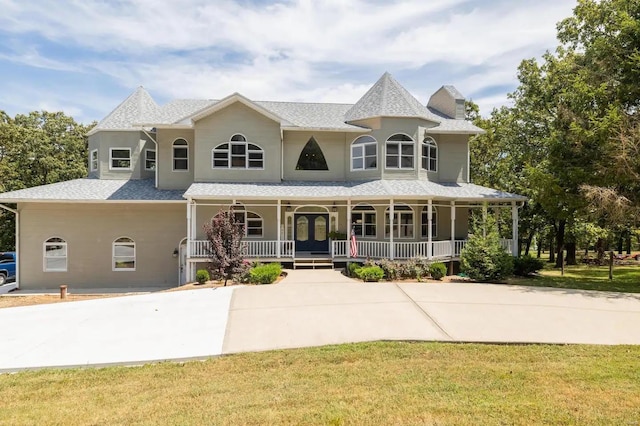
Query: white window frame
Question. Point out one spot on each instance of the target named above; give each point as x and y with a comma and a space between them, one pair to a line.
400, 144
400, 210
93, 160
115, 258
229, 155
239, 210
112, 167
361, 210
429, 143
173, 154
363, 145
146, 160
45, 256
424, 222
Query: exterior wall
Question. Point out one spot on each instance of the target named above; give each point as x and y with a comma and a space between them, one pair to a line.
332, 145
134, 140
453, 151
89, 230
391, 126
266, 209
219, 127
167, 177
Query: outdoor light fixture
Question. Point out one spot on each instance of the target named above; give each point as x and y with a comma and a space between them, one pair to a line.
288, 207
175, 252
334, 208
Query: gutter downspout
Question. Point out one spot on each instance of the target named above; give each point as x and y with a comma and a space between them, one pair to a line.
17, 213
155, 172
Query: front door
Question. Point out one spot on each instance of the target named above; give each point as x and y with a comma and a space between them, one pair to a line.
311, 232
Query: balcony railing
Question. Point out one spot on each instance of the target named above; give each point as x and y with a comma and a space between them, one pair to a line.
266, 249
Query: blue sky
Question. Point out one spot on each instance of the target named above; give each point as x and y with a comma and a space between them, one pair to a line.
84, 56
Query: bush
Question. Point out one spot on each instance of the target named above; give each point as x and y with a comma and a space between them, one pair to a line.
202, 276
352, 269
265, 274
390, 269
437, 270
483, 259
526, 265
370, 273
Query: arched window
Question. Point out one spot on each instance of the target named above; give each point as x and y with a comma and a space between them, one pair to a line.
364, 153
363, 218
425, 221
180, 155
252, 223
237, 154
124, 254
399, 152
55, 255
429, 154
403, 223
312, 157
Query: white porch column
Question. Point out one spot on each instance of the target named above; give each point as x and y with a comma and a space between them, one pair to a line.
453, 228
194, 233
392, 221
279, 224
189, 238
429, 229
349, 227
514, 229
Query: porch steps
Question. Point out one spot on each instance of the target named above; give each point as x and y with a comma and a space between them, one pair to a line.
313, 263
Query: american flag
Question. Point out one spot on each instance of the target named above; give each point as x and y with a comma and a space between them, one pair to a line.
354, 244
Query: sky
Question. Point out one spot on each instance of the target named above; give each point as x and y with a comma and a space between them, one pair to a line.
84, 57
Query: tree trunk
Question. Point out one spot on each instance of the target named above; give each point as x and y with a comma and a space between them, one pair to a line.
539, 248
560, 242
600, 250
620, 243
552, 250
528, 241
571, 253
628, 242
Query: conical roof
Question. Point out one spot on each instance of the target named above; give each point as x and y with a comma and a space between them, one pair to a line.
139, 107
387, 98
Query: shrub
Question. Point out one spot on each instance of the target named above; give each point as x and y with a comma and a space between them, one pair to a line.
526, 265
352, 269
389, 268
437, 270
244, 273
483, 258
265, 274
202, 276
370, 273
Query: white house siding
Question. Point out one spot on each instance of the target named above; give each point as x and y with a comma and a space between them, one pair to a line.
89, 230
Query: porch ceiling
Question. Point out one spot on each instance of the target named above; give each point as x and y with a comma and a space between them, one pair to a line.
374, 189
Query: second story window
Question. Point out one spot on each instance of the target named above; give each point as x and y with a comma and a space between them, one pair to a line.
120, 159
364, 153
94, 160
180, 155
429, 154
400, 152
149, 159
237, 154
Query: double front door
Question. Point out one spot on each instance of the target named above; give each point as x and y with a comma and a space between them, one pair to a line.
311, 232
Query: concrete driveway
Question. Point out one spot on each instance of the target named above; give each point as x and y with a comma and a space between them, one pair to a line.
308, 308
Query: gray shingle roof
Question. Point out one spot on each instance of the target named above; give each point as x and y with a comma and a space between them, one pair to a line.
375, 189
455, 93
139, 107
311, 115
387, 98
90, 189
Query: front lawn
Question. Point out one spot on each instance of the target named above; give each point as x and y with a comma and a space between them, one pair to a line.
369, 383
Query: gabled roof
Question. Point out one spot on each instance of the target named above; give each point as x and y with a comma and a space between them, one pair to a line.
139, 107
387, 98
229, 100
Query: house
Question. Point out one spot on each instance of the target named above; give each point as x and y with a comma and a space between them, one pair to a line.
393, 171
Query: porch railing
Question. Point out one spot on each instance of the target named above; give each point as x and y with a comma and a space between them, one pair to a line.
253, 249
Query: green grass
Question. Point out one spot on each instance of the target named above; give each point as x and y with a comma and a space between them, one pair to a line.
371, 383
584, 277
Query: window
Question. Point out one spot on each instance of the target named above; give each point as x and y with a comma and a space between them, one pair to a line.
399, 152
124, 254
94, 160
425, 222
238, 154
120, 159
251, 222
180, 155
149, 159
364, 153
429, 154
403, 223
312, 157
363, 218
55, 255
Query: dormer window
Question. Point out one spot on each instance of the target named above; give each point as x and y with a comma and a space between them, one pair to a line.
237, 154
400, 149
180, 155
429, 154
364, 153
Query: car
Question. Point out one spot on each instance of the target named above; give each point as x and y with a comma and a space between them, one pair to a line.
7, 266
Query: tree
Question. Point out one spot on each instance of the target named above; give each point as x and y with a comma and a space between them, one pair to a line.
224, 233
